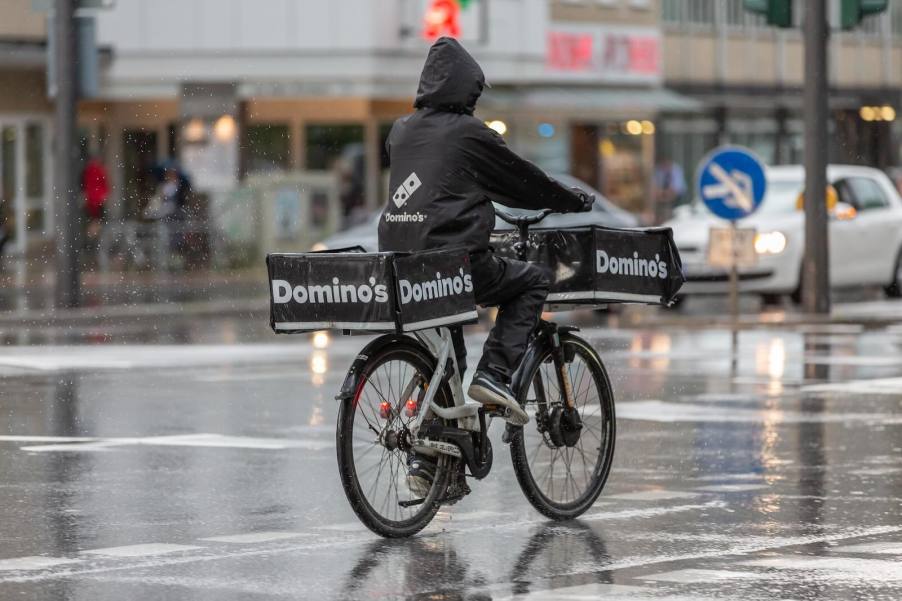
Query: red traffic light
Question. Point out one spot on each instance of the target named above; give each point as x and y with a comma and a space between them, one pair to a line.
442, 18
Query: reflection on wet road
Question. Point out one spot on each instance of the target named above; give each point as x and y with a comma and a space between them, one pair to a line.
208, 472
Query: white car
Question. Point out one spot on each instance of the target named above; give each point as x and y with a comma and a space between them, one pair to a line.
865, 236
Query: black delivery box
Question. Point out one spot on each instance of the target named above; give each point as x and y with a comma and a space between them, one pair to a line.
599, 265
372, 292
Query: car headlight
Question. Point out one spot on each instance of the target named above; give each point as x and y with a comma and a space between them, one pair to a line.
770, 243
318, 247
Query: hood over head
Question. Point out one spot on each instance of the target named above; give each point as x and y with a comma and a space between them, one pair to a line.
451, 79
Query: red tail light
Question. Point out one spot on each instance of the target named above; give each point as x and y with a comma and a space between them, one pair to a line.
411, 407
384, 409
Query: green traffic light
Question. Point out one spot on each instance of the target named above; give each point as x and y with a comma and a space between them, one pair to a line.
777, 12
853, 11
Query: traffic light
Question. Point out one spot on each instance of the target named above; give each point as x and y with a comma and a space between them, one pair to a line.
853, 11
442, 18
778, 12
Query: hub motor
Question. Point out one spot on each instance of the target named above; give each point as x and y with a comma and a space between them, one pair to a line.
564, 426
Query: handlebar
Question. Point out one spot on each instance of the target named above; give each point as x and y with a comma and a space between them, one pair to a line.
522, 220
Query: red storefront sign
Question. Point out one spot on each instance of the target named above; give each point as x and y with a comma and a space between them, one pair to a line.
604, 53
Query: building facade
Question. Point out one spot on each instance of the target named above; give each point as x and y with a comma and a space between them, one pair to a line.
596, 88
749, 77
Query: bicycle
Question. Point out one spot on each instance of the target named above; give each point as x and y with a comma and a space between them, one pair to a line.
403, 395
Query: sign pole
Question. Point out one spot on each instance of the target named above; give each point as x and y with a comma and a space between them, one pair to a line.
815, 275
734, 296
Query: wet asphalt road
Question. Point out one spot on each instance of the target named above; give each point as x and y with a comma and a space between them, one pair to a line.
207, 471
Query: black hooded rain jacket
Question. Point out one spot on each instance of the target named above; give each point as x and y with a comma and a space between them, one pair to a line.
446, 165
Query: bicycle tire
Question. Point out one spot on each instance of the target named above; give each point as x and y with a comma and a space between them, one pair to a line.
424, 363
521, 461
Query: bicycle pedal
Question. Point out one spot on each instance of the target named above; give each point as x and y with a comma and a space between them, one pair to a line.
496, 410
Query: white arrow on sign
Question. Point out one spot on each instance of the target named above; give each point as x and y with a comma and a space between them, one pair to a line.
734, 187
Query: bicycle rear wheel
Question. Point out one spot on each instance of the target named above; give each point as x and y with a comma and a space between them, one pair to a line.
374, 438
563, 480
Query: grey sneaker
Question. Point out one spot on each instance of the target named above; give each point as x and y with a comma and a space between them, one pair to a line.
420, 474
487, 390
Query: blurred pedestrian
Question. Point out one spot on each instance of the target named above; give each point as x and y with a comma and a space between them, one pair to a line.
96, 191
169, 206
170, 199
669, 188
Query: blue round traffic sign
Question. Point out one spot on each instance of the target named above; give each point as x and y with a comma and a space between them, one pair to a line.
731, 182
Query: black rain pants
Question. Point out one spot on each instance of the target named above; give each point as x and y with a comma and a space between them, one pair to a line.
518, 289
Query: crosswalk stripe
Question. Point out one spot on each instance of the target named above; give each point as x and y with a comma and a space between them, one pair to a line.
255, 537
884, 548
653, 495
145, 550
732, 487
34, 563
692, 576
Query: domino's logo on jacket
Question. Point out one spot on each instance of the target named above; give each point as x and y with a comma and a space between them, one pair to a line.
405, 190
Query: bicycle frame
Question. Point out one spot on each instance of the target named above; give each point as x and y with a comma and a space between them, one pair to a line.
440, 344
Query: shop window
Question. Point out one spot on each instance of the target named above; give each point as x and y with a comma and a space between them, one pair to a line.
339, 147
34, 160
8, 178
737, 15
697, 12
34, 176
328, 144
139, 157
268, 147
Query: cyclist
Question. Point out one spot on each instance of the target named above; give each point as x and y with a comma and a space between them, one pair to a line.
446, 167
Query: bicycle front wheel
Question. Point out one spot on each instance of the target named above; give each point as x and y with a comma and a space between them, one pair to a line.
562, 474
374, 441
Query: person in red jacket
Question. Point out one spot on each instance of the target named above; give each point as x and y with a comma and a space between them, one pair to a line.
96, 190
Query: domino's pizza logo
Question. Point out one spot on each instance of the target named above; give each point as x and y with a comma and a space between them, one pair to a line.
405, 190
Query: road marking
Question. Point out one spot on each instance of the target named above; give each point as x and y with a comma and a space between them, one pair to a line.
856, 360
835, 568
587, 592
650, 512
666, 412
10, 438
34, 563
732, 487
653, 495
146, 550
747, 476
886, 548
152, 356
876, 471
692, 576
255, 537
745, 548
188, 440
891, 386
